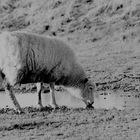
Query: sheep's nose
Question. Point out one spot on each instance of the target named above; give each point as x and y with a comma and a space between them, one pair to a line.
90, 102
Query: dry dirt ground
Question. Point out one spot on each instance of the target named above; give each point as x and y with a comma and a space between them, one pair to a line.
105, 35
70, 124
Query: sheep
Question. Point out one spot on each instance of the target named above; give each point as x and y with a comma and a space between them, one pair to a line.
32, 58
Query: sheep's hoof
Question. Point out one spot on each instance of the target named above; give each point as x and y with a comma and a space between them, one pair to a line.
39, 106
19, 111
54, 106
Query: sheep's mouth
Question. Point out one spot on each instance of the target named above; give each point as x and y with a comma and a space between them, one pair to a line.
90, 105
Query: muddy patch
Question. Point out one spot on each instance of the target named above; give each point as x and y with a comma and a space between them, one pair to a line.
117, 99
102, 100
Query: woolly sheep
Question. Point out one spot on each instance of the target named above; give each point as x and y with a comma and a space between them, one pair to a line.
31, 58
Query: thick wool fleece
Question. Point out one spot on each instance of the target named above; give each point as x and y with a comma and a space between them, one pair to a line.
31, 58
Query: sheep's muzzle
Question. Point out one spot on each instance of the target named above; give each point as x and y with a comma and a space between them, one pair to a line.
89, 105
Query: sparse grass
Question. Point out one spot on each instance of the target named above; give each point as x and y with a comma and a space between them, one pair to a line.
105, 34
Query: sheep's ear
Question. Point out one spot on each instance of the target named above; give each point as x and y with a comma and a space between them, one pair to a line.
86, 79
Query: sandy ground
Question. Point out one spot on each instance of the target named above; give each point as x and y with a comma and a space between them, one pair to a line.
105, 35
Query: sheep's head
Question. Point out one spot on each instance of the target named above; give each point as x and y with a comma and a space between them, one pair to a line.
84, 91
87, 93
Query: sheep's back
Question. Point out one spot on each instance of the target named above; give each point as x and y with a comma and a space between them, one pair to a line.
32, 56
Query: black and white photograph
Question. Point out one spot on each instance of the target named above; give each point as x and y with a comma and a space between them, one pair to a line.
69, 69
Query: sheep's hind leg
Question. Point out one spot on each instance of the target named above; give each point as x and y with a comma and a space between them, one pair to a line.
8, 90
52, 97
39, 89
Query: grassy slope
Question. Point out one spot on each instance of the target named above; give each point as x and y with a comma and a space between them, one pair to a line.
105, 34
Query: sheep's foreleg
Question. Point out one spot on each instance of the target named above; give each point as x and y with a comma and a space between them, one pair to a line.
52, 96
39, 88
9, 92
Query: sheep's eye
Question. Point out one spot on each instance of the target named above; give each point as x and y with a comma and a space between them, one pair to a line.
90, 88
